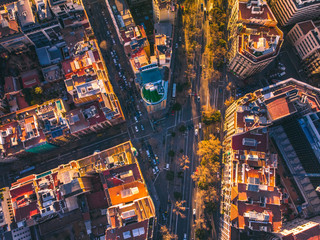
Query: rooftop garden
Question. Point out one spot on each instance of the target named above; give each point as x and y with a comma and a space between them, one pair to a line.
151, 96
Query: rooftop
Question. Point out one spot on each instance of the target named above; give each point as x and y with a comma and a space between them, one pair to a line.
258, 35
25, 14
306, 26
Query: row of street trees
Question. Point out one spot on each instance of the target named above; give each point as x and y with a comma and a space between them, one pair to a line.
207, 180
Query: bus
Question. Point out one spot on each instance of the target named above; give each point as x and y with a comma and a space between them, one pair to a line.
174, 90
27, 170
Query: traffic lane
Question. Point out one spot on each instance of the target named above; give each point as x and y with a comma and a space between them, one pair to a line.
188, 185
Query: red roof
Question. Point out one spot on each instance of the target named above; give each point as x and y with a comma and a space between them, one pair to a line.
21, 191
99, 117
280, 107
30, 79
11, 85
306, 26
308, 234
261, 140
21, 101
97, 200
26, 212
66, 67
96, 56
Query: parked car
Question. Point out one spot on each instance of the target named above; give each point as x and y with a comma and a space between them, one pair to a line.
196, 132
148, 153
142, 128
136, 128
156, 169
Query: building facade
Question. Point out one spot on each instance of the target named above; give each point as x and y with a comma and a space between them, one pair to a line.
305, 37
290, 12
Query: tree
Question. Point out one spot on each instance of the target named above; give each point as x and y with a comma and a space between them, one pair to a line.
170, 175
229, 101
176, 107
179, 208
208, 149
211, 116
103, 45
201, 234
38, 90
177, 195
171, 153
184, 162
166, 235
182, 128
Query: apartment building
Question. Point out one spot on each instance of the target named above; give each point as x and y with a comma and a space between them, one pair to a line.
290, 12
148, 70
106, 187
282, 117
254, 38
86, 101
305, 37
163, 11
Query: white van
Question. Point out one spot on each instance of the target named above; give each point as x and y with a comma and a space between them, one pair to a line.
167, 166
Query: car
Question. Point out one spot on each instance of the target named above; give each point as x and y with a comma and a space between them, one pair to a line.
124, 77
115, 61
180, 39
96, 152
194, 211
113, 41
136, 128
198, 98
282, 74
196, 132
176, 45
156, 169
120, 74
167, 166
148, 153
154, 163
199, 125
136, 119
185, 235
140, 113
142, 128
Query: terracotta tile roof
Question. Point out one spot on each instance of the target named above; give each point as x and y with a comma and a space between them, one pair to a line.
234, 193
279, 108
234, 212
